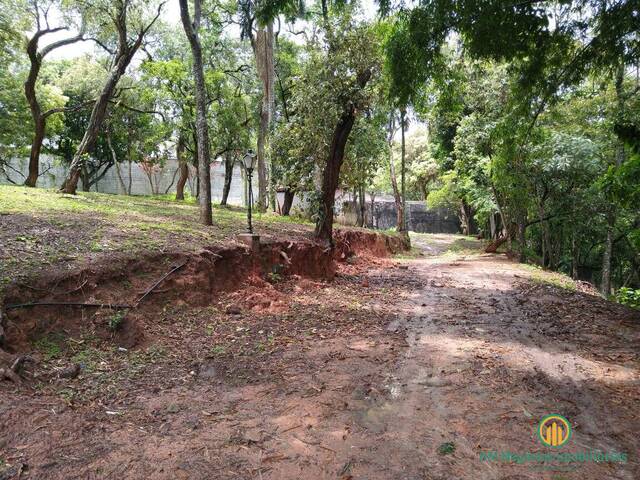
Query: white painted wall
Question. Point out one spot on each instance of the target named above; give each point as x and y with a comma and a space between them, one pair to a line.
52, 174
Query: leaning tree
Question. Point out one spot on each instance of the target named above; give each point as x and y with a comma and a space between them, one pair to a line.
131, 20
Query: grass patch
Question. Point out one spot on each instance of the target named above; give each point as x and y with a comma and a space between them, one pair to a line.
555, 279
50, 346
43, 228
447, 448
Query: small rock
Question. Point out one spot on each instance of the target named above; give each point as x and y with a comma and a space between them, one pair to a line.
71, 371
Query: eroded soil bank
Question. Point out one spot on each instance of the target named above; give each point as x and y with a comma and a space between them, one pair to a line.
65, 302
396, 369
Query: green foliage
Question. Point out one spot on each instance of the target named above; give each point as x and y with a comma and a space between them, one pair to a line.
49, 345
447, 448
116, 319
319, 82
628, 296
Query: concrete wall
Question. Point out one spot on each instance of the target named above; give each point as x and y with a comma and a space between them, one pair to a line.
164, 179
419, 218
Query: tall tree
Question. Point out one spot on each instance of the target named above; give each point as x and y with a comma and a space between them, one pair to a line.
191, 29
41, 12
351, 63
118, 14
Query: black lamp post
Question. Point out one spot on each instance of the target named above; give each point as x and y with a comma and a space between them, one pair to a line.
247, 163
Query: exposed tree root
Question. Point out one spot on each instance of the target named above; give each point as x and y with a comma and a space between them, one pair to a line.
12, 373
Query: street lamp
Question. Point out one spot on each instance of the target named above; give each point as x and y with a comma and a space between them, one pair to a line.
248, 164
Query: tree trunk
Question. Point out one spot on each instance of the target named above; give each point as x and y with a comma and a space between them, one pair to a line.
115, 162
263, 52
363, 207
605, 287
39, 118
574, 256
402, 227
611, 215
39, 121
36, 113
130, 178
204, 174
331, 173
184, 169
373, 204
331, 176
228, 176
396, 194
465, 220
522, 229
493, 227
36, 147
98, 115
546, 243
123, 187
289, 194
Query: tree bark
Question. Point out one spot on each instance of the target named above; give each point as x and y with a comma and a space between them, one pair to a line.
574, 256
465, 218
331, 176
605, 287
522, 228
331, 173
184, 168
228, 176
397, 197
402, 227
289, 195
373, 204
204, 174
36, 113
263, 52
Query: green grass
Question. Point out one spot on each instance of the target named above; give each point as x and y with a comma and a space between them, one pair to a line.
447, 448
544, 277
43, 228
446, 244
50, 346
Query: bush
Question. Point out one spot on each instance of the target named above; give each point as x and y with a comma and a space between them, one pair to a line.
629, 297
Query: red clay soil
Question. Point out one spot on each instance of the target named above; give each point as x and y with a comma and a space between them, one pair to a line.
390, 371
194, 280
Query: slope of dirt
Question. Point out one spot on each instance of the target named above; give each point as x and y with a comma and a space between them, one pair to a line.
404, 370
52, 302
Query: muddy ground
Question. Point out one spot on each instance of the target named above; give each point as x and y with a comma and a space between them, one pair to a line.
404, 368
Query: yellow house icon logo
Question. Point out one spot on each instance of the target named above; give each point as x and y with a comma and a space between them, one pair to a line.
554, 430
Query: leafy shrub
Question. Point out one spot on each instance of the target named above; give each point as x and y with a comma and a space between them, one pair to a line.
629, 297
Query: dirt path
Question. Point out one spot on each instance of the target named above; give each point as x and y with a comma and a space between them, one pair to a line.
407, 373
489, 355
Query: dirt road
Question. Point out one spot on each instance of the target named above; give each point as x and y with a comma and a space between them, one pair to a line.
468, 354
